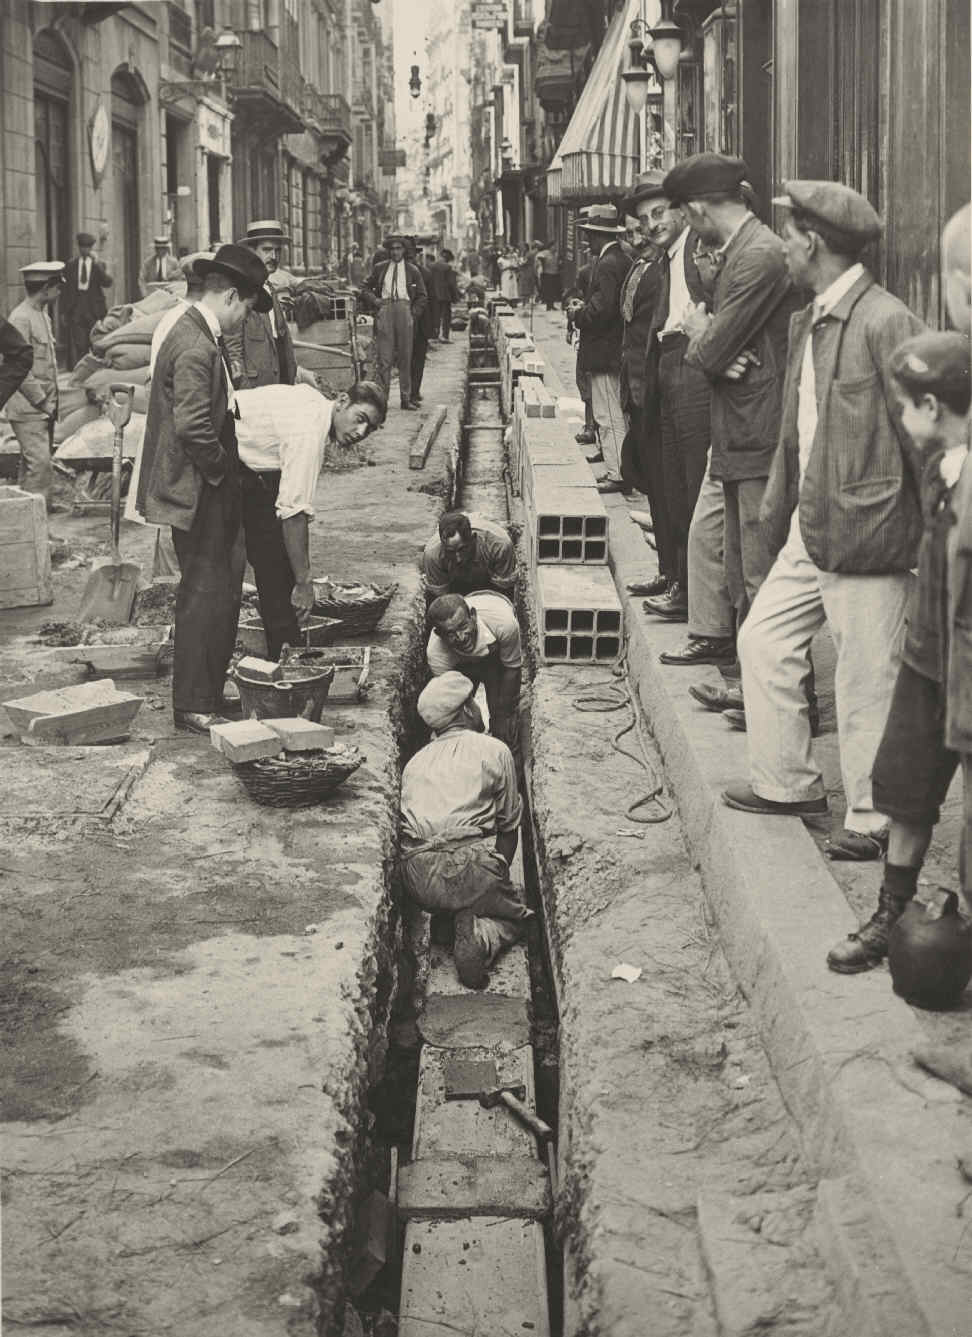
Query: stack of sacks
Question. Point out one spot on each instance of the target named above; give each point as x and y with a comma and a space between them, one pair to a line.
120, 346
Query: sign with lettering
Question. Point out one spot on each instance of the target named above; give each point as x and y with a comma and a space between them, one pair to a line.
489, 14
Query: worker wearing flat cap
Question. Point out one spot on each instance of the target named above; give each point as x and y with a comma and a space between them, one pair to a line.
83, 300
32, 410
460, 813
160, 267
598, 319
842, 514
741, 348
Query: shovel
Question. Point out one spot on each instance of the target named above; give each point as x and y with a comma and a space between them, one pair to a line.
109, 595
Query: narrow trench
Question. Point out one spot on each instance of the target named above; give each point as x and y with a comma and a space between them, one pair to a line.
479, 486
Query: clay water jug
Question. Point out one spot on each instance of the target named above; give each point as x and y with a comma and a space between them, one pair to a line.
930, 953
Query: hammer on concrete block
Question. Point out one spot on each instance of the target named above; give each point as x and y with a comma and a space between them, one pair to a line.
468, 1079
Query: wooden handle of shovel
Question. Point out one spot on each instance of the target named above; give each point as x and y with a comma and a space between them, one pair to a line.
119, 412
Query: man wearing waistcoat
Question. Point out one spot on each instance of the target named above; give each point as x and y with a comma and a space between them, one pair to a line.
83, 300
400, 292
842, 513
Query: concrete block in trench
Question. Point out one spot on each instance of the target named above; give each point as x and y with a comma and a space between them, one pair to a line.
484, 1277
457, 1186
578, 614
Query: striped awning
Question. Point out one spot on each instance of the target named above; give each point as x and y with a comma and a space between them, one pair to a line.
600, 153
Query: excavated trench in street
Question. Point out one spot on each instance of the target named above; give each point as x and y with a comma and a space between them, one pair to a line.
684, 1205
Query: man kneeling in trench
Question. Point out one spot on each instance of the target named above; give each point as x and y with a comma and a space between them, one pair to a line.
460, 821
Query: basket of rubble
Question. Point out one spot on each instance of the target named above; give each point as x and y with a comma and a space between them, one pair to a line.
359, 607
302, 691
300, 779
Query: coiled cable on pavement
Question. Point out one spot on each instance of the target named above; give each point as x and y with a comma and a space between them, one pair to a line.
606, 695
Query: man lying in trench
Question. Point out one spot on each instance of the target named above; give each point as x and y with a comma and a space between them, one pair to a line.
461, 812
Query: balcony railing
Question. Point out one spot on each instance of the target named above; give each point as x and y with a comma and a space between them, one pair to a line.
270, 85
335, 116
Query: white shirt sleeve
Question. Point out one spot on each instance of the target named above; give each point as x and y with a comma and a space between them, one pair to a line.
440, 658
300, 468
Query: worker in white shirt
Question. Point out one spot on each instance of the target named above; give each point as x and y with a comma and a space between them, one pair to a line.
399, 290
279, 471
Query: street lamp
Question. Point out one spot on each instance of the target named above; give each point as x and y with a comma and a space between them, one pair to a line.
666, 38
415, 83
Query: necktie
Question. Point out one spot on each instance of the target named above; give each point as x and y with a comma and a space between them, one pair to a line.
394, 282
84, 273
160, 269
631, 288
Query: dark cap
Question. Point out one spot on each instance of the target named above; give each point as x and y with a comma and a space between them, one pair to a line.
933, 361
835, 205
704, 174
244, 267
85, 239
648, 186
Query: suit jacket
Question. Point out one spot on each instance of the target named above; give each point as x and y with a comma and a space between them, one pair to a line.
634, 343
189, 435
860, 502
424, 325
91, 304
263, 359
697, 291
147, 274
752, 302
444, 287
39, 387
958, 675
415, 284
599, 319
18, 358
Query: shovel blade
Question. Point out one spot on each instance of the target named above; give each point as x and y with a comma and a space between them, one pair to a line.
109, 595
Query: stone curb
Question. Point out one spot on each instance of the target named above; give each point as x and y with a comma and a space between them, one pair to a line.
840, 1046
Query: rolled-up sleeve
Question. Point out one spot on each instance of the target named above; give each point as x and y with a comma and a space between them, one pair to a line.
300, 468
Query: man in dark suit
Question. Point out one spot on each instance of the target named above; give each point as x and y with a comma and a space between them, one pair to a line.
442, 294
601, 331
741, 349
422, 329
18, 358
641, 452
399, 290
842, 516
190, 478
83, 301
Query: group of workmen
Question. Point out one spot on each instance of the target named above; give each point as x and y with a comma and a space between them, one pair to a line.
801, 462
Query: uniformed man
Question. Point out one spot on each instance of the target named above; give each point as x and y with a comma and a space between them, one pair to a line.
162, 267
461, 813
480, 636
32, 410
83, 300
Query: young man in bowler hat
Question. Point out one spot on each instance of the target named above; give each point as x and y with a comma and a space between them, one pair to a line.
190, 478
83, 301
842, 514
601, 331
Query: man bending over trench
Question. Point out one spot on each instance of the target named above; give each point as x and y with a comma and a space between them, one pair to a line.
461, 812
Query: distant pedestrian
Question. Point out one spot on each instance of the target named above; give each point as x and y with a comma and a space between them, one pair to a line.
509, 268
160, 267
548, 267
355, 268
445, 292
400, 291
32, 409
842, 514
83, 299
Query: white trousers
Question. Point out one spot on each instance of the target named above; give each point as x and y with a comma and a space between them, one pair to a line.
866, 617
606, 401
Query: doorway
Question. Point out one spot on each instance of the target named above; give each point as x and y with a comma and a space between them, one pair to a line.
126, 110
213, 175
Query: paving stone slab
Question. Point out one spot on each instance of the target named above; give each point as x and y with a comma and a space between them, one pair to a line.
463, 1127
455, 1186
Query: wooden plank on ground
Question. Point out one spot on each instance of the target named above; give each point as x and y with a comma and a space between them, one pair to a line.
425, 437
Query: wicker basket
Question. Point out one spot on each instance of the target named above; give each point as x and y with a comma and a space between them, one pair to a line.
302, 692
301, 779
359, 607
315, 631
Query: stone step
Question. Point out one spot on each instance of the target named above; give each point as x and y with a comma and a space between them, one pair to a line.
484, 1277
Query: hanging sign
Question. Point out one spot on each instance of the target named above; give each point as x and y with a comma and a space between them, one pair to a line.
488, 14
98, 142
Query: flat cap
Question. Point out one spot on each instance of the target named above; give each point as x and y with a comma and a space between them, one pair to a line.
44, 269
704, 174
936, 361
85, 239
836, 205
441, 700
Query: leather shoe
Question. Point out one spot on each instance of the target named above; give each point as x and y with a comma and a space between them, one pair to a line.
701, 650
736, 719
650, 587
196, 721
742, 798
643, 520
715, 697
596, 458
672, 605
407, 404
585, 438
610, 485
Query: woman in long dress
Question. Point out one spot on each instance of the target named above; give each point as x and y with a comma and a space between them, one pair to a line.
509, 267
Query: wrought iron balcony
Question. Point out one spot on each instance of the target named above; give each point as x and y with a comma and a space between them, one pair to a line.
264, 86
335, 125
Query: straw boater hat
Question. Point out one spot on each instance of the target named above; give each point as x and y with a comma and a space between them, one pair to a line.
160, 241
264, 229
602, 218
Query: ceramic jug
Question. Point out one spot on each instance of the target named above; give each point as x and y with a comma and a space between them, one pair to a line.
930, 953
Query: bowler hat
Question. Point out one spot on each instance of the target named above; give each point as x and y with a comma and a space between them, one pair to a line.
244, 267
264, 229
85, 239
834, 204
648, 186
602, 218
704, 174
